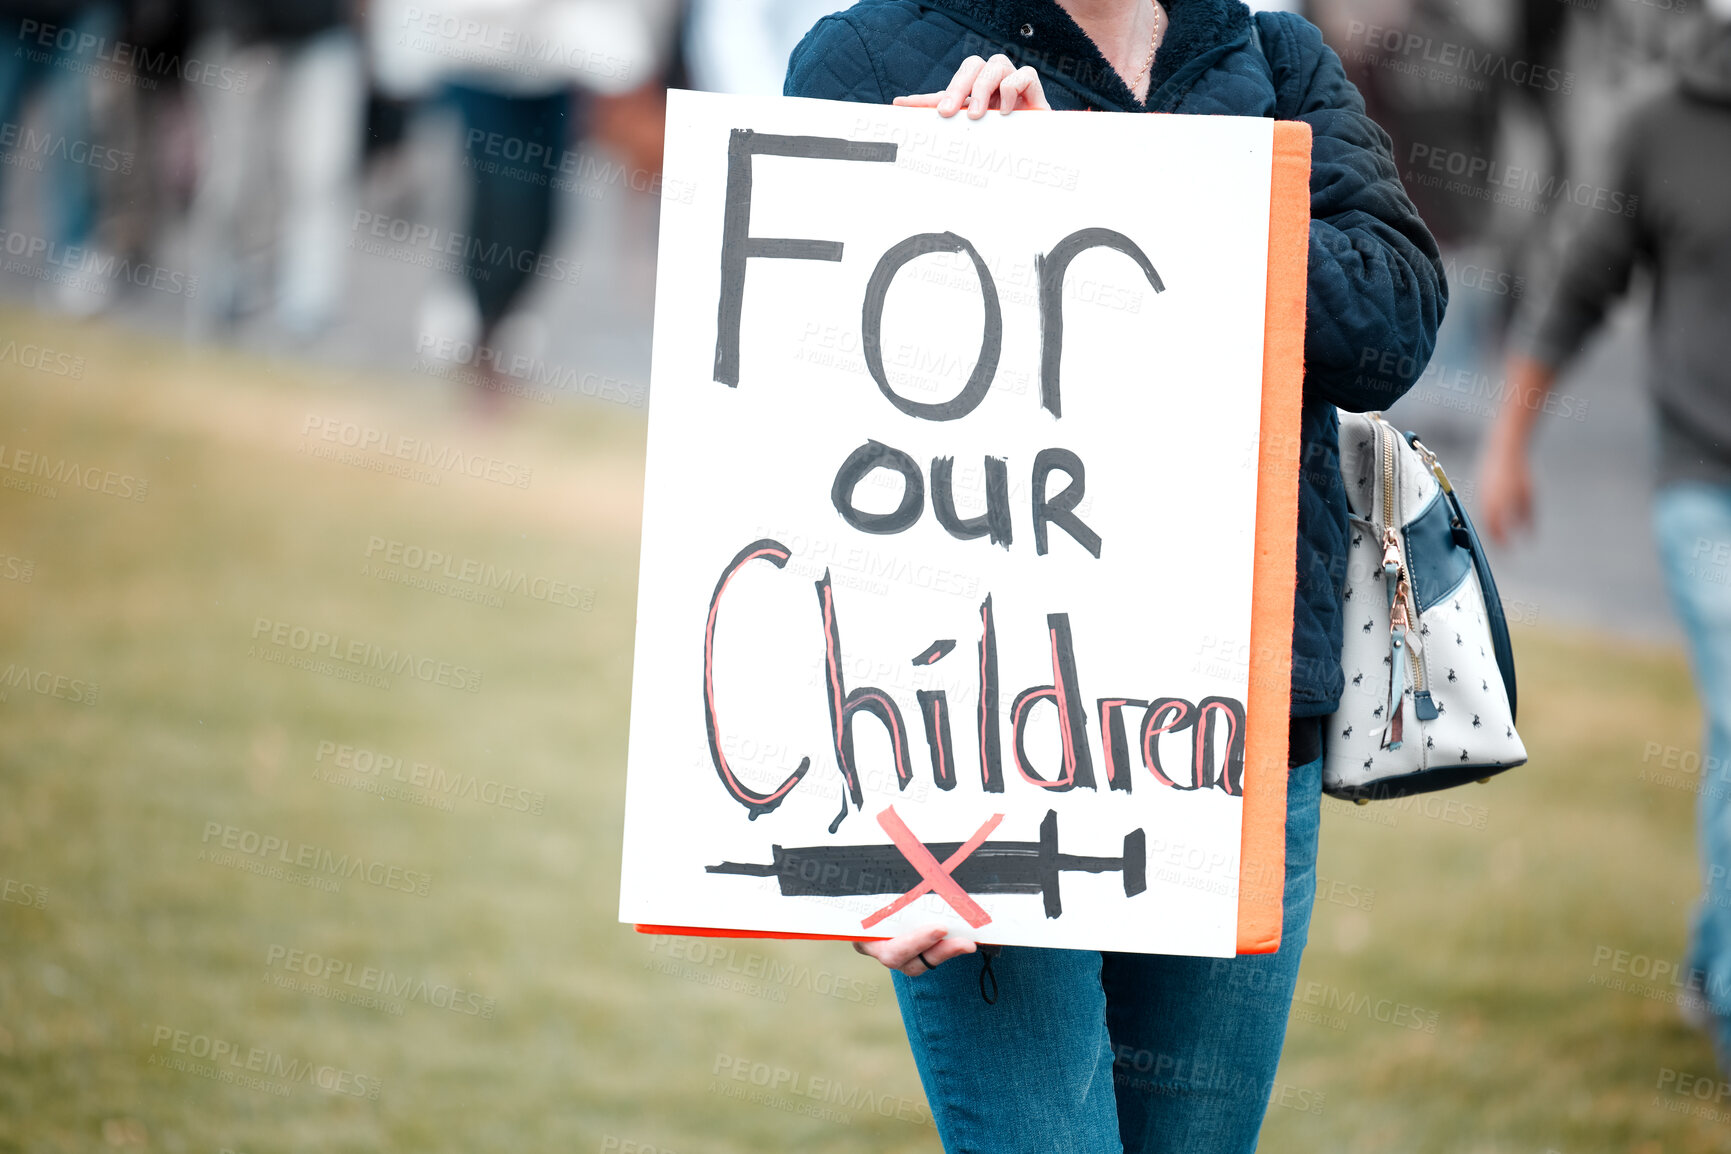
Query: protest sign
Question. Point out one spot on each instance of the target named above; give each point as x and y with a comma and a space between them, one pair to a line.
951, 531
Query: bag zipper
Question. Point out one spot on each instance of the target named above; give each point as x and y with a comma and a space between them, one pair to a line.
1404, 660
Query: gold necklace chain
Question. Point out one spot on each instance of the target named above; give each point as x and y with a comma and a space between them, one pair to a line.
1153, 47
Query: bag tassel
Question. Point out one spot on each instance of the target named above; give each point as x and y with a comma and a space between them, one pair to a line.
1396, 584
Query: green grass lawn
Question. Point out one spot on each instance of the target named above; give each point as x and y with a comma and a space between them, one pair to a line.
154, 989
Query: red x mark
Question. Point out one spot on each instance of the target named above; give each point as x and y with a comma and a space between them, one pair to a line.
934, 878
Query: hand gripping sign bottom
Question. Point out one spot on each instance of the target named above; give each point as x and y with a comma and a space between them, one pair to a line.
911, 868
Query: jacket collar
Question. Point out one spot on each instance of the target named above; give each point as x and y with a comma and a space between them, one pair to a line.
1048, 39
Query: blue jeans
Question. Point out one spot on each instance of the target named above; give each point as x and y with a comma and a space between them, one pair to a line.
57, 70
512, 201
1692, 523
1095, 1053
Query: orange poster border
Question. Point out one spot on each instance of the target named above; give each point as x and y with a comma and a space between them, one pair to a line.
1262, 858
1262, 871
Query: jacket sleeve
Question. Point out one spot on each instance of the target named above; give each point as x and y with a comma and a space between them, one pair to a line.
833, 63
1597, 259
1376, 290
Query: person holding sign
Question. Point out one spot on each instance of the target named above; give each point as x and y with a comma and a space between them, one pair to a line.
1082, 1050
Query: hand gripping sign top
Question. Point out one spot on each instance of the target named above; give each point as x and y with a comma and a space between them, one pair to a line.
966, 587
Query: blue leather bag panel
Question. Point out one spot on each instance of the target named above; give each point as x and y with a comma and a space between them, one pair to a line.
1435, 557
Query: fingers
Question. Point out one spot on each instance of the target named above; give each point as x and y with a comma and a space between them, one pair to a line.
983, 85
949, 947
986, 82
1506, 493
1022, 86
905, 952
960, 85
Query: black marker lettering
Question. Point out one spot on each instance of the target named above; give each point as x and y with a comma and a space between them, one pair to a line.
1051, 269
756, 804
737, 243
1060, 510
1208, 713
844, 705
995, 520
1165, 715
991, 759
872, 324
935, 709
873, 455
1116, 741
1078, 764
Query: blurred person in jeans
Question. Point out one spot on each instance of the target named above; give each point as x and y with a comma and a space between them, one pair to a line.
53, 46
282, 96
1671, 163
518, 73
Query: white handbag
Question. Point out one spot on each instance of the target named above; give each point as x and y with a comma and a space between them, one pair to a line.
1430, 678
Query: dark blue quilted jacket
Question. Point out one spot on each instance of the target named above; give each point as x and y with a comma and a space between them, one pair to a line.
1376, 292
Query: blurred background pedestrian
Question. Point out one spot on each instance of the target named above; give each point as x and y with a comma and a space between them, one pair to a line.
51, 49
281, 105
1671, 158
519, 75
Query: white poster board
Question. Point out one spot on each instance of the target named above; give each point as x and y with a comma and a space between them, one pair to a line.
946, 413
